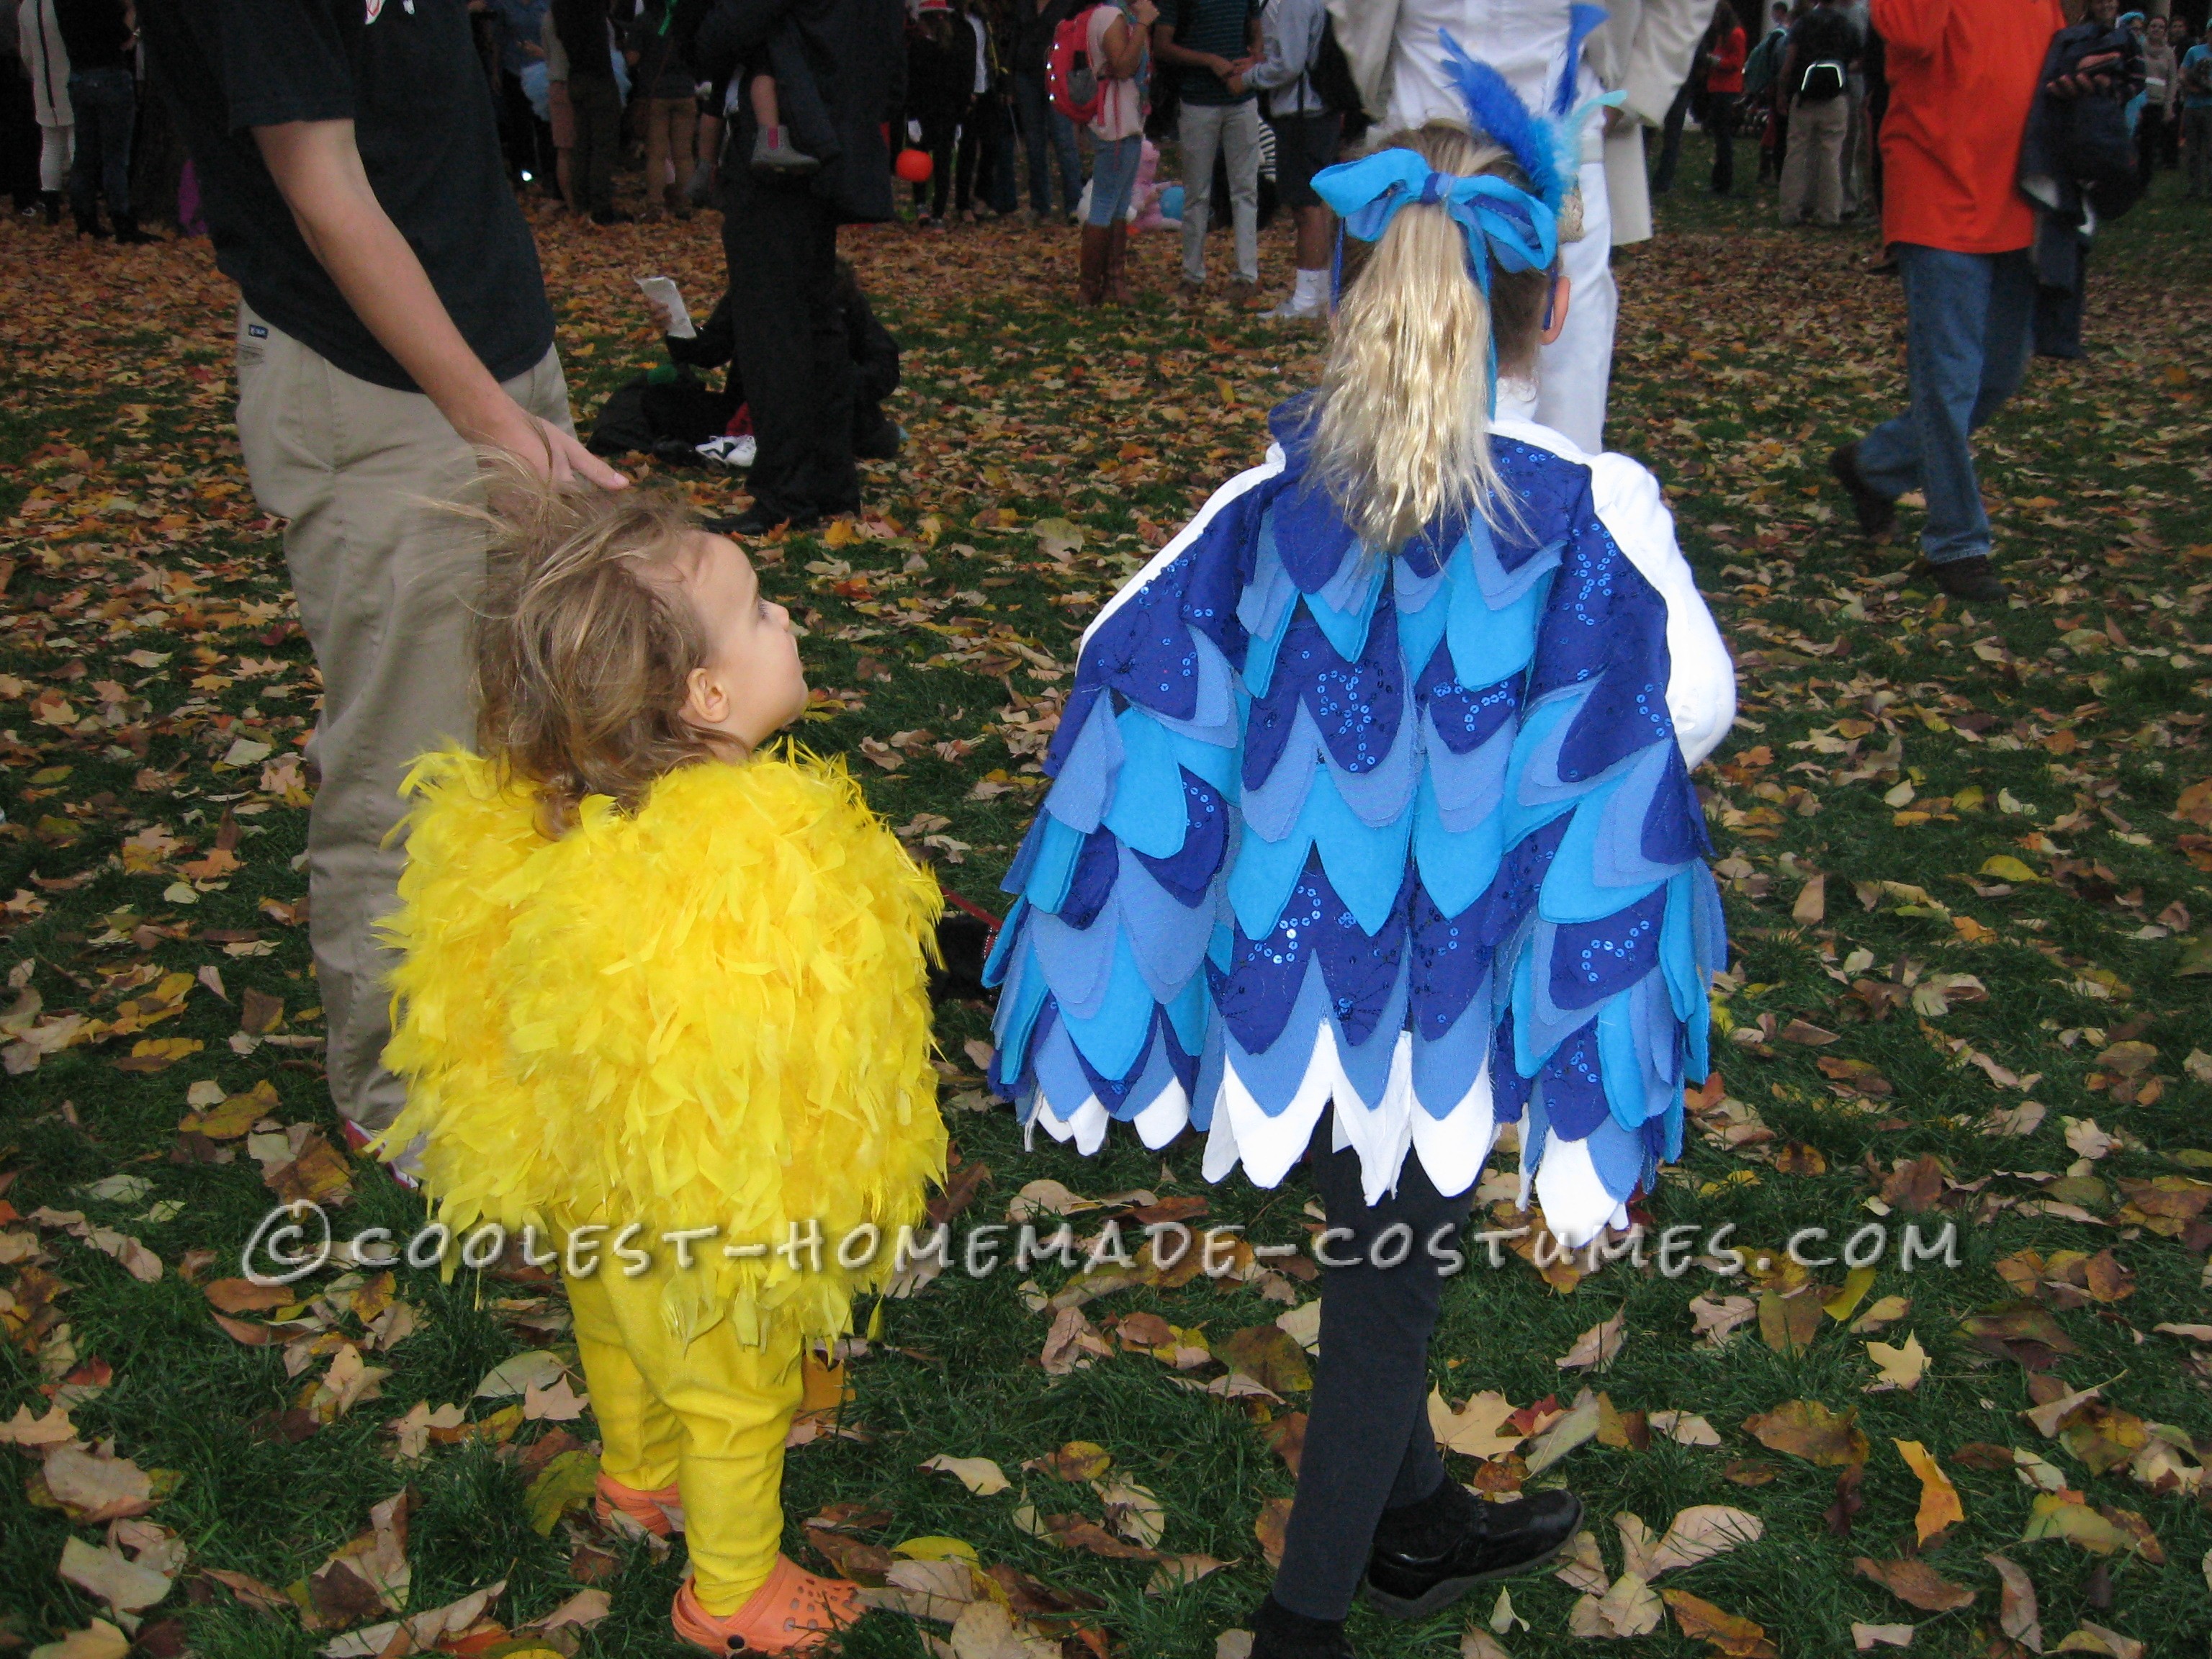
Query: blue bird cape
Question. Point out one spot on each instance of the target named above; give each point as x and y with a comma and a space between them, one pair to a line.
1409, 836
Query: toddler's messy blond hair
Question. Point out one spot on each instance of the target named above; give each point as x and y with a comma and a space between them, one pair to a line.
1401, 421
584, 641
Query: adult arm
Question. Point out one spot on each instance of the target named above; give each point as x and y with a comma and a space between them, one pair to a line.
1290, 37
1124, 46
317, 167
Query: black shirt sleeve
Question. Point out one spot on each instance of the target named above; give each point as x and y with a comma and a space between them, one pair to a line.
282, 61
712, 346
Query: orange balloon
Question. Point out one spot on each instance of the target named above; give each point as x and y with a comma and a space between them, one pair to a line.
913, 165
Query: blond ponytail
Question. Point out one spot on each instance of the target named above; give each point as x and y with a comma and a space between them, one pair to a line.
1401, 421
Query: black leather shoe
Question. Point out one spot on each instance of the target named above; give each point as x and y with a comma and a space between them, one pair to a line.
1877, 513
1969, 579
1493, 1541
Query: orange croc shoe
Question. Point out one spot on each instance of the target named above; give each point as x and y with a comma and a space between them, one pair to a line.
660, 1513
795, 1612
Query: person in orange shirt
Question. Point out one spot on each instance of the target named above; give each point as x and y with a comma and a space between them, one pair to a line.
1962, 74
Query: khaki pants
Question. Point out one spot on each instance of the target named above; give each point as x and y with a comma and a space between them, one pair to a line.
670, 125
385, 582
1814, 163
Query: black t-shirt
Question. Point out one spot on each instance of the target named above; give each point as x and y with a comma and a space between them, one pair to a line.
95, 32
406, 73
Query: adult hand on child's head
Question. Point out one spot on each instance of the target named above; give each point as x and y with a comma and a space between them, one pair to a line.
543, 448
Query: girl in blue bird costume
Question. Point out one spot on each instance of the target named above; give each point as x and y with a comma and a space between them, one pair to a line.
1371, 831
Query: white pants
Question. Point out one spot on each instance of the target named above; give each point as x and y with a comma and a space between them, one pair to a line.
1234, 130
56, 146
1575, 371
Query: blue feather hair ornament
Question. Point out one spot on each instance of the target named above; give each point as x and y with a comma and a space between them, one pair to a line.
1547, 146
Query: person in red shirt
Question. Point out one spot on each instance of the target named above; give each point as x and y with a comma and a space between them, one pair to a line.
1962, 74
1725, 51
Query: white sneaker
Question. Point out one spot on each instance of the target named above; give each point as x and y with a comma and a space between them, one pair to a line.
1294, 310
733, 453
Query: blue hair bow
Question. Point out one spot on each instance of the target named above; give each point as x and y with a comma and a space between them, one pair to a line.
1501, 220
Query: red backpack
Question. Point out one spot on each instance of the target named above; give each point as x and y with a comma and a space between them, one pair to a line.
1071, 77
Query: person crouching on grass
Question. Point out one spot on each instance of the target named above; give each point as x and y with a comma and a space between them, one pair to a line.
654, 973
1371, 831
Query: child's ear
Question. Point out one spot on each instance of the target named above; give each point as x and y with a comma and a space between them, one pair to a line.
1555, 307
706, 700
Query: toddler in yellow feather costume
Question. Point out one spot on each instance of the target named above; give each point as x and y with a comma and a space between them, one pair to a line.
659, 985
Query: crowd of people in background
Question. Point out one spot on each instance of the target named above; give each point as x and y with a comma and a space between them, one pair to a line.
1252, 91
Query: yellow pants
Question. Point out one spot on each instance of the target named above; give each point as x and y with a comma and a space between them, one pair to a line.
709, 1417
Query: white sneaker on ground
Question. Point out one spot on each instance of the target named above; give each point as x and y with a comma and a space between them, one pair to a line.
733, 453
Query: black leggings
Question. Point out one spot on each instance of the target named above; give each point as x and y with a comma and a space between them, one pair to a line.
1368, 1444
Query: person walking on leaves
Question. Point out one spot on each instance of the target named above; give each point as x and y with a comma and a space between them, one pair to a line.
1962, 76
391, 320
1116, 42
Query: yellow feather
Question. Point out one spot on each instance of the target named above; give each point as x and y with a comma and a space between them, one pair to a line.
713, 1012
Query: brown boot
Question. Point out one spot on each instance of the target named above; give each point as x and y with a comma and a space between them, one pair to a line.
1117, 264
1090, 272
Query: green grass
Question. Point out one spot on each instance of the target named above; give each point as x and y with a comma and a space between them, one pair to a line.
1745, 353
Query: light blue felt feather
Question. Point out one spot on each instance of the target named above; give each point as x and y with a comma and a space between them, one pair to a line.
1052, 869
1076, 962
1059, 1076
1456, 867
1149, 811
1619, 1157
1571, 891
1080, 795
1114, 1038
1366, 863
1020, 1001
1377, 796
1489, 644
1445, 1067
1468, 787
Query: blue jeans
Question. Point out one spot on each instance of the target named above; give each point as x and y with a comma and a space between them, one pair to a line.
1114, 179
106, 101
1969, 325
1041, 122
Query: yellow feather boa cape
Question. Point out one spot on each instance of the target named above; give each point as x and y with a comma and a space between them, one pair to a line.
711, 1012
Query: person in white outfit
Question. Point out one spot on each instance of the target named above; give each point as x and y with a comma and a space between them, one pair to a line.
46, 61
1642, 51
